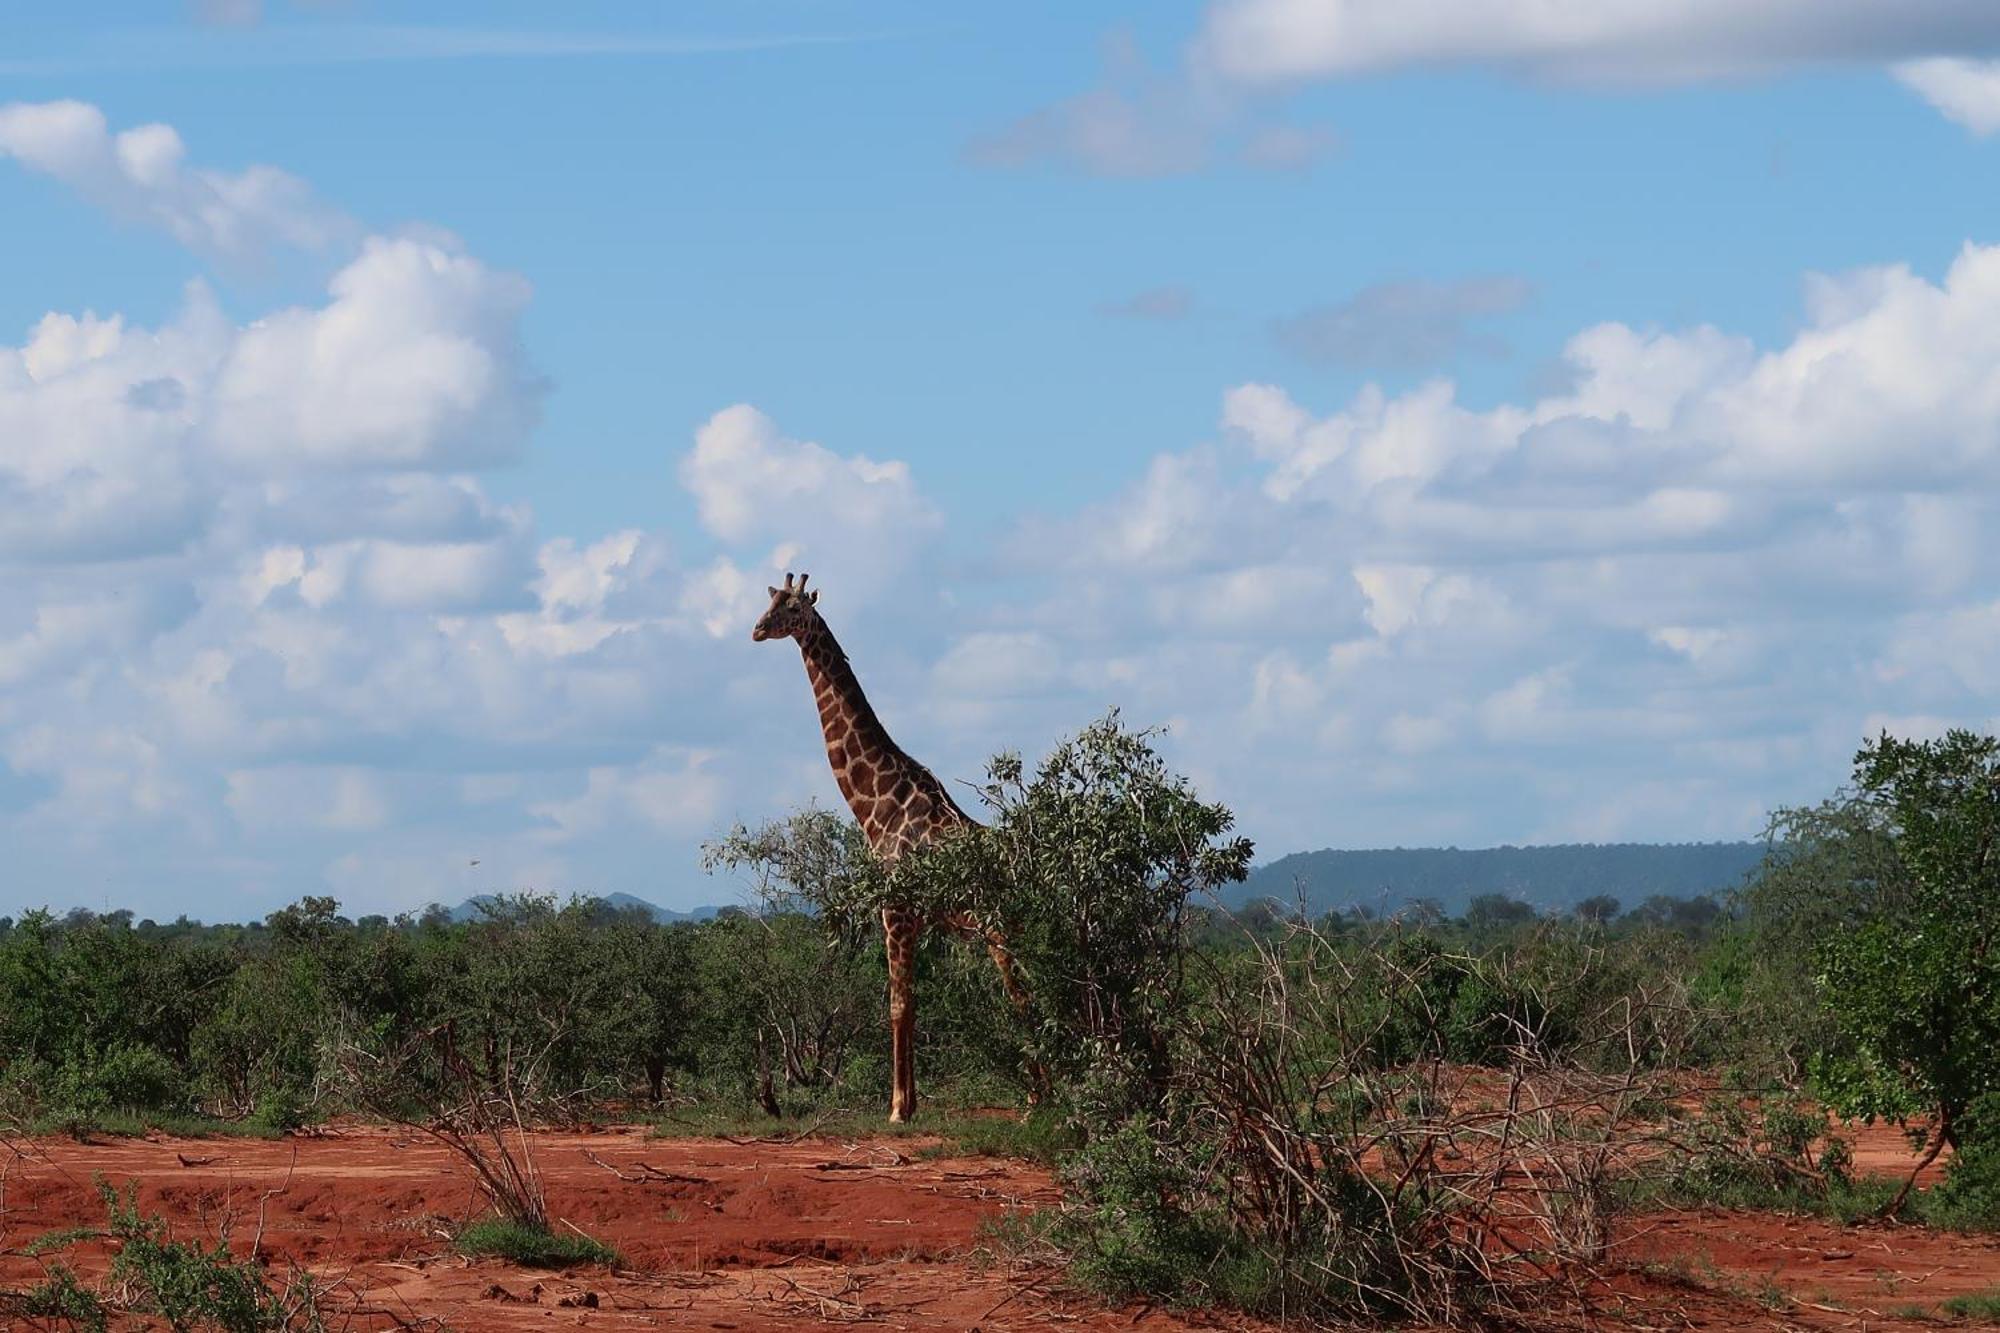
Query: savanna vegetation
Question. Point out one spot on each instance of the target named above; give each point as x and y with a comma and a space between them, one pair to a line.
1434, 1115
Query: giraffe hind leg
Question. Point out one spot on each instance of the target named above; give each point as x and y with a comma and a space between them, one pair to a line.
1017, 995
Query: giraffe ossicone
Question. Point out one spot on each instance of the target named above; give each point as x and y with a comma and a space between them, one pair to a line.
899, 804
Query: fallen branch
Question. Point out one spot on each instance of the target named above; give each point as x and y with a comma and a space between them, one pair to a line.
648, 1174
264, 1202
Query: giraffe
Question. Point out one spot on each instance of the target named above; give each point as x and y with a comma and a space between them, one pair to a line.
900, 806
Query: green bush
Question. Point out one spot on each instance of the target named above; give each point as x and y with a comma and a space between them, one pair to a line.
64, 1301
86, 1088
1914, 984
1136, 1227
190, 1286
186, 1284
1969, 1195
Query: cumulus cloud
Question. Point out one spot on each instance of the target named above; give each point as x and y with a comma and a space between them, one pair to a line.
413, 363
669, 790
1272, 41
1404, 325
263, 626
341, 799
118, 441
1966, 92
1212, 107
1696, 573
850, 517
142, 175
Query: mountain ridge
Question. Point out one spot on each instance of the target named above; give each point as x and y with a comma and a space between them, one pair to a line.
1550, 875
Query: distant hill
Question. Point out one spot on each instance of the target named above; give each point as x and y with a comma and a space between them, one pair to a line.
1546, 877
469, 909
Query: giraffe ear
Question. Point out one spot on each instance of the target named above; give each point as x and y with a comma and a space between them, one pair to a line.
773, 591
814, 599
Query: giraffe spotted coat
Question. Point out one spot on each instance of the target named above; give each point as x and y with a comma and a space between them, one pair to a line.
899, 804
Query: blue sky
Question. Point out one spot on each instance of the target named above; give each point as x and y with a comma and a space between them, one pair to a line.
1455, 426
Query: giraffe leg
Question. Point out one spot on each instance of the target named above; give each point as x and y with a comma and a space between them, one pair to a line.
899, 938
1017, 995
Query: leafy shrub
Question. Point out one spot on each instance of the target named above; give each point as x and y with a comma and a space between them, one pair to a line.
1139, 1226
1969, 1195
62, 1299
1782, 1155
188, 1285
1914, 984
279, 1110
85, 1088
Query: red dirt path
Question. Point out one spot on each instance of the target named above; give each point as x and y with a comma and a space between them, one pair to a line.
820, 1234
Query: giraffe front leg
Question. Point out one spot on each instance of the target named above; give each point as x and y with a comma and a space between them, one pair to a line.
899, 938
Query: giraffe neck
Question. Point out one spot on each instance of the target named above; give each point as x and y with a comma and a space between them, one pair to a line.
857, 744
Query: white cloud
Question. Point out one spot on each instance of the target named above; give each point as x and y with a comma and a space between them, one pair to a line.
141, 175
414, 363
848, 518
1894, 384
1265, 41
670, 790
343, 800
1137, 123
118, 441
997, 662
1966, 92
260, 627
1694, 572
1402, 596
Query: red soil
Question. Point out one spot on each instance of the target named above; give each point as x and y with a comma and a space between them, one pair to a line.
817, 1234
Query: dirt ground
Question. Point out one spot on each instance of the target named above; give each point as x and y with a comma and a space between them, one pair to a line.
825, 1234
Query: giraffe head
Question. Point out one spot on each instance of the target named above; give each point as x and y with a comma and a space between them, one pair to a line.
791, 612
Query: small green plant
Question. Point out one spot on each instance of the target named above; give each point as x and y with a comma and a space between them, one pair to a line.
1975, 1305
1784, 1155
63, 1301
532, 1247
278, 1110
1133, 1232
1040, 1136
187, 1284
1968, 1198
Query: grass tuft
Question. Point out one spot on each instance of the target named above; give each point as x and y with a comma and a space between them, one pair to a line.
1039, 1136
1975, 1305
134, 1124
531, 1247
1846, 1202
